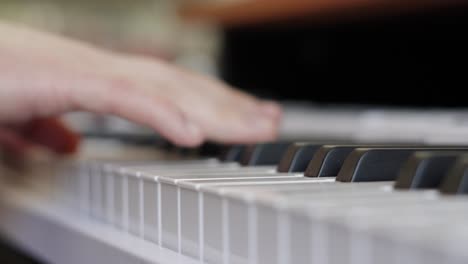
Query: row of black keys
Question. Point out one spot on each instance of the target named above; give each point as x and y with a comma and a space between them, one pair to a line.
411, 167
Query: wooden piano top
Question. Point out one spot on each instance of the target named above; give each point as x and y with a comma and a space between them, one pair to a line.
238, 12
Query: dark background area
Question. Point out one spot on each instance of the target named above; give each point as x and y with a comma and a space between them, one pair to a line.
415, 59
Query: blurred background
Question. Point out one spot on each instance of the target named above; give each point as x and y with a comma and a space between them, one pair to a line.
325, 60
149, 27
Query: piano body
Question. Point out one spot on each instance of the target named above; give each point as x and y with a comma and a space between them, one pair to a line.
345, 183
317, 201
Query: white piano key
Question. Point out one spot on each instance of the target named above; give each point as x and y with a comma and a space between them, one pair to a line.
103, 213
252, 235
134, 204
84, 188
238, 233
109, 186
340, 243
150, 209
361, 249
169, 221
66, 186
371, 248
96, 194
212, 228
119, 191
189, 217
300, 242
75, 186
319, 249
267, 224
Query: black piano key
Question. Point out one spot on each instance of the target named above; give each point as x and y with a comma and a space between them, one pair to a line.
456, 180
425, 169
378, 164
297, 157
264, 153
211, 149
246, 154
327, 161
233, 153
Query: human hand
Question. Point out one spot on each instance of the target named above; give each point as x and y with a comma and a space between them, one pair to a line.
44, 75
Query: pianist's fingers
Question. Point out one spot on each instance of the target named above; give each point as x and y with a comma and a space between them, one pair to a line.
57, 75
222, 113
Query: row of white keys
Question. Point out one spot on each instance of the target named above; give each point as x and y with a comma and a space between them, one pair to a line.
160, 209
77, 182
248, 211
152, 178
147, 197
244, 209
122, 180
170, 198
209, 225
435, 230
180, 220
329, 235
269, 216
215, 225
152, 217
128, 185
339, 200
74, 191
398, 224
98, 193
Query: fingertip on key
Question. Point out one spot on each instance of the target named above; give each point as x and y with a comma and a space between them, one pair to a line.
271, 109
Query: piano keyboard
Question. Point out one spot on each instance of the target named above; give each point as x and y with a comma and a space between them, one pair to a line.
280, 202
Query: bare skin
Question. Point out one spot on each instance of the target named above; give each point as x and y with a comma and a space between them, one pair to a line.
44, 75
